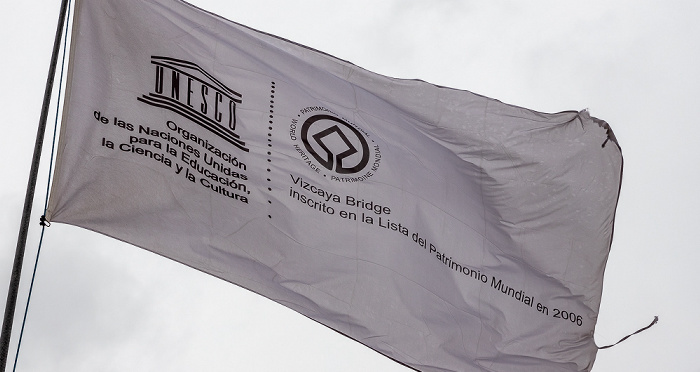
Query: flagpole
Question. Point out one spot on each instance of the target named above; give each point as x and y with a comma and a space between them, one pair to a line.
29, 197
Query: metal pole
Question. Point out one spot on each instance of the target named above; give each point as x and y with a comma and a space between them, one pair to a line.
29, 197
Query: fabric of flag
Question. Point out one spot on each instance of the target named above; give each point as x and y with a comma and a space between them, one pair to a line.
446, 230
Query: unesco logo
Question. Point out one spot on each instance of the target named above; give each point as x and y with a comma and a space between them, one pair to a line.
186, 89
333, 146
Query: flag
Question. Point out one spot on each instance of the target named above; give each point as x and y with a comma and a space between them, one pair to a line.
446, 230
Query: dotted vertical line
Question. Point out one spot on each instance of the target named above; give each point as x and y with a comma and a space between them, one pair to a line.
269, 142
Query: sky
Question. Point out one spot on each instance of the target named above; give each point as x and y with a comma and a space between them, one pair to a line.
100, 304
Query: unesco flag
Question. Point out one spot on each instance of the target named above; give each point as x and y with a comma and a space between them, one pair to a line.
446, 230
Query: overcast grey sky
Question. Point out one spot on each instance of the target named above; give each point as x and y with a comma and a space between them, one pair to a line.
99, 304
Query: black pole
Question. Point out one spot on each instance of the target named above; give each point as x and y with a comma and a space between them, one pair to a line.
29, 197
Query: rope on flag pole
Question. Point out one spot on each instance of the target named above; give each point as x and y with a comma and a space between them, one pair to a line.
11, 303
43, 222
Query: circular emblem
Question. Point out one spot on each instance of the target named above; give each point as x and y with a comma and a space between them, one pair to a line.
333, 146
